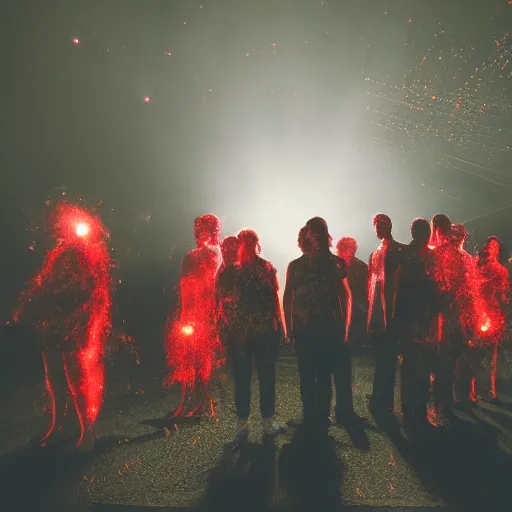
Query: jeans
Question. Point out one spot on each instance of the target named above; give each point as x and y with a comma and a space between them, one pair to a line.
263, 348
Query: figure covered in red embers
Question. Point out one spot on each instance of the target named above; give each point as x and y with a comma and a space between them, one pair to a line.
454, 275
69, 301
493, 297
440, 226
192, 343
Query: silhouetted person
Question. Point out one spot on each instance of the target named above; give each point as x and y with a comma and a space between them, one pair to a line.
493, 295
383, 269
453, 272
416, 316
259, 335
192, 342
318, 309
440, 227
226, 294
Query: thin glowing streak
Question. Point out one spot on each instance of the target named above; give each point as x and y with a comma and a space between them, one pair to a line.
74, 393
494, 366
451, 166
52, 399
480, 166
488, 213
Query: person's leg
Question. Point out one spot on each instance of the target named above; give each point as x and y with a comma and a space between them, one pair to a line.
56, 387
494, 370
242, 369
343, 383
266, 371
307, 376
324, 371
77, 388
408, 381
383, 396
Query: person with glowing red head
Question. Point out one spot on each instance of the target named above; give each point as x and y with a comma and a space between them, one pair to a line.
317, 305
383, 272
493, 296
259, 335
70, 302
192, 342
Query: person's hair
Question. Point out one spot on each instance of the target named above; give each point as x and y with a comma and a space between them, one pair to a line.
206, 226
228, 243
420, 229
502, 253
303, 241
249, 241
347, 243
382, 218
441, 222
458, 233
318, 233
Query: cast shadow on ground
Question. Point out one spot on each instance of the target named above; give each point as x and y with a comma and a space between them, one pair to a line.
45, 479
462, 464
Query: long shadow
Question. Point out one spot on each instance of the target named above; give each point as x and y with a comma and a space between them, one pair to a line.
310, 472
45, 479
245, 479
464, 466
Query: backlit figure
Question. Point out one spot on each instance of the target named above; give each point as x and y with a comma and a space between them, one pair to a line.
192, 343
69, 301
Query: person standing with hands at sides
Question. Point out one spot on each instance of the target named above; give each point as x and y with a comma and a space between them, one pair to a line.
383, 269
259, 317
318, 310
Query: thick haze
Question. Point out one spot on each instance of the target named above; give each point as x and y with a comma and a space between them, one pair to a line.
263, 112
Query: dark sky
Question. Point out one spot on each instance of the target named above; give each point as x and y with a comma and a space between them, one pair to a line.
265, 112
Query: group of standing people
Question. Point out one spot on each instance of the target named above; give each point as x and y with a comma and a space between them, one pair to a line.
429, 304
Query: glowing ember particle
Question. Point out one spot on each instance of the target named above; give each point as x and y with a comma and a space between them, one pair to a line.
358, 491
409, 20
75, 41
147, 99
169, 54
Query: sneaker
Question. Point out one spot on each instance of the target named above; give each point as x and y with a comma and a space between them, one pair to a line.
272, 428
242, 433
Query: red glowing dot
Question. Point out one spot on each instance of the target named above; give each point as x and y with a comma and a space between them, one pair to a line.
188, 330
410, 21
82, 229
147, 99
76, 41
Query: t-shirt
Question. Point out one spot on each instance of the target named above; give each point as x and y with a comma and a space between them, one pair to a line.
257, 288
315, 280
227, 294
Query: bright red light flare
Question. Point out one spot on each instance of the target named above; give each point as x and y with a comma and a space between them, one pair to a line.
187, 330
76, 41
82, 229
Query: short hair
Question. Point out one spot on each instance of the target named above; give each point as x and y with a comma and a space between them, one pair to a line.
420, 228
208, 224
382, 218
441, 222
317, 229
458, 233
249, 239
229, 241
503, 251
303, 241
348, 242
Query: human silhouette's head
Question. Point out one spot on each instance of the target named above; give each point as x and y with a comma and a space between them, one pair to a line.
458, 235
206, 230
303, 241
229, 248
383, 226
494, 250
441, 226
420, 231
317, 234
346, 249
249, 245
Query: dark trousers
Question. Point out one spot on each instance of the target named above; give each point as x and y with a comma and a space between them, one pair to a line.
419, 361
343, 382
386, 355
262, 348
320, 354
470, 369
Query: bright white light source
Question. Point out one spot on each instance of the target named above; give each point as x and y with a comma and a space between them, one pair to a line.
82, 229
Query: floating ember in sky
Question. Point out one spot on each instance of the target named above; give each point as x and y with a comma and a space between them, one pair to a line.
147, 99
75, 41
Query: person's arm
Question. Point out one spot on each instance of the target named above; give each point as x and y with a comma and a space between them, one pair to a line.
288, 302
347, 293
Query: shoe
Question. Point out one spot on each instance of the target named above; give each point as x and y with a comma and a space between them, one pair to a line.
272, 428
242, 434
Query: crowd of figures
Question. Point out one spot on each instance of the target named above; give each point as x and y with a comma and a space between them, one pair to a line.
429, 304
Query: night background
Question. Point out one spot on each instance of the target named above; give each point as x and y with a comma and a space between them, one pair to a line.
264, 112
